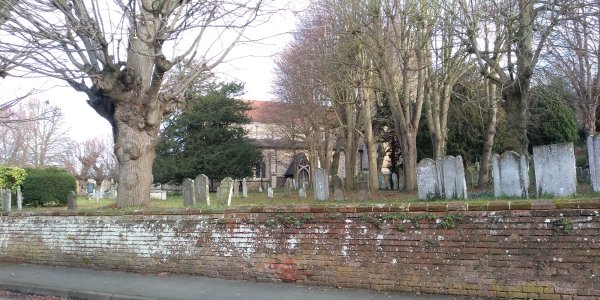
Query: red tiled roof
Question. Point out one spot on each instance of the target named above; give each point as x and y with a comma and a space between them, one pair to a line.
267, 112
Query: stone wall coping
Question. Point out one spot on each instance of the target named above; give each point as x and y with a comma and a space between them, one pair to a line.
522, 204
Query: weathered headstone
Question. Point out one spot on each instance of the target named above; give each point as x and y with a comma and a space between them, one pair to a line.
586, 176
451, 177
381, 182
72, 200
270, 192
338, 188
555, 170
388, 184
427, 179
593, 146
302, 191
202, 190
287, 188
362, 186
395, 181
159, 194
5, 194
188, 192
321, 185
401, 179
226, 191
19, 199
104, 188
236, 188
244, 188
510, 172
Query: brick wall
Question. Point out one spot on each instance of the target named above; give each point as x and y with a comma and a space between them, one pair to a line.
499, 249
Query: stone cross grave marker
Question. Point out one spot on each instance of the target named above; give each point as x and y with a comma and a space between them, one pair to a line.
202, 191
362, 186
510, 172
555, 170
188, 192
321, 185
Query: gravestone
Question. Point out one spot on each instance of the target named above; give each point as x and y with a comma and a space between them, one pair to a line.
510, 172
555, 170
260, 189
321, 185
586, 175
395, 181
226, 191
202, 189
19, 199
244, 188
72, 200
5, 194
381, 182
388, 184
362, 186
302, 191
451, 178
188, 192
270, 192
427, 179
159, 194
287, 188
579, 172
593, 146
104, 188
236, 188
338, 188
400, 179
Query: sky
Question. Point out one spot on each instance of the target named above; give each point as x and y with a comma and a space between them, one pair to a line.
252, 65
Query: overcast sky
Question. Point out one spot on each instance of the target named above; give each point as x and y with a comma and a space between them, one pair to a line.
249, 64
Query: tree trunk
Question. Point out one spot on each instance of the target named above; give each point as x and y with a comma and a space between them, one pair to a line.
488, 143
350, 158
408, 143
515, 106
135, 151
371, 143
588, 115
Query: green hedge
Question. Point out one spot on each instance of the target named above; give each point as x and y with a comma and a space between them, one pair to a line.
49, 186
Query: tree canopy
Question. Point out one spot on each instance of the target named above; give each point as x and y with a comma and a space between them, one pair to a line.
207, 137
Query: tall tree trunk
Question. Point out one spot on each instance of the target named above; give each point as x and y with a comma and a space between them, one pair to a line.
588, 115
371, 142
515, 106
408, 143
488, 143
135, 151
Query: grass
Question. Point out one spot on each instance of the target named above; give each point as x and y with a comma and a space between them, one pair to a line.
175, 201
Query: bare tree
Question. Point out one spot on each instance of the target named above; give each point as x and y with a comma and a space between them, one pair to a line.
119, 54
517, 31
575, 53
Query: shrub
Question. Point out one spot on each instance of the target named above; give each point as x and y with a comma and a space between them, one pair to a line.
11, 177
49, 186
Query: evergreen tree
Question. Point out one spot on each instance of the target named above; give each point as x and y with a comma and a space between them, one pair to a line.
207, 138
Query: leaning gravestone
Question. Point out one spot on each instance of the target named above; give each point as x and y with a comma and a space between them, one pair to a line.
72, 200
5, 194
593, 146
362, 186
555, 170
394, 181
226, 191
321, 185
510, 172
188, 192
338, 188
287, 188
202, 191
244, 188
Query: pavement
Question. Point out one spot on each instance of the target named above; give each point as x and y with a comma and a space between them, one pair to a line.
82, 283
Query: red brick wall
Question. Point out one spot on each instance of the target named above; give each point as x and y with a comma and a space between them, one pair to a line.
497, 249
